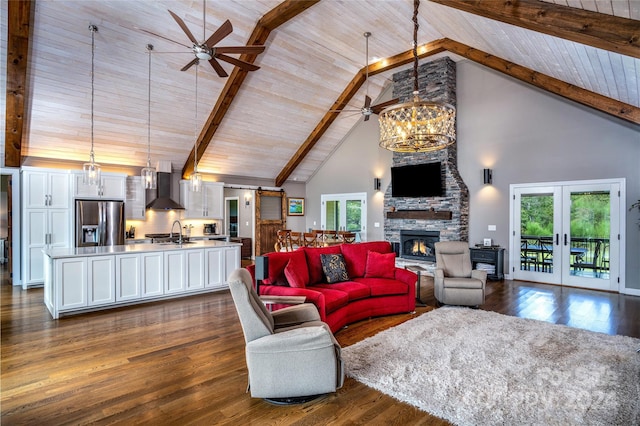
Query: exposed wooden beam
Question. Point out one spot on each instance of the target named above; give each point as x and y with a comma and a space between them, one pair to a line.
271, 20
19, 22
347, 94
577, 94
603, 31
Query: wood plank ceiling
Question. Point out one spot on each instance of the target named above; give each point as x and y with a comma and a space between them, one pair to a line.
277, 125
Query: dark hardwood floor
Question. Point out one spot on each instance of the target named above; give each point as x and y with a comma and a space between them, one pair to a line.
182, 361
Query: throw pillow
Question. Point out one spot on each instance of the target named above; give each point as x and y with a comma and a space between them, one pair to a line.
334, 268
296, 270
380, 265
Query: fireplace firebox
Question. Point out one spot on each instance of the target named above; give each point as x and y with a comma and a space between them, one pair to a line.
418, 245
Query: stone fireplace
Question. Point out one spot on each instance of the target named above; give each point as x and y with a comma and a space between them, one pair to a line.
447, 215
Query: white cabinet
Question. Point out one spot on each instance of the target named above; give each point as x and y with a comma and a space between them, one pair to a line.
48, 188
101, 280
206, 204
231, 261
174, 272
128, 277
152, 274
214, 274
46, 219
135, 203
71, 277
112, 187
195, 270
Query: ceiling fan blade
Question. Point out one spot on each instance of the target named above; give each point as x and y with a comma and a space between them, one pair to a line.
242, 64
218, 68
240, 49
366, 117
189, 65
163, 37
367, 101
378, 108
225, 29
184, 27
345, 110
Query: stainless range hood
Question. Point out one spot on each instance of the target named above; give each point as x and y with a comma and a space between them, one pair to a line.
162, 200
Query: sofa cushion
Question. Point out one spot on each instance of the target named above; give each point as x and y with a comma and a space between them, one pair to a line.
277, 262
355, 255
353, 289
380, 265
333, 299
384, 286
296, 271
334, 267
314, 263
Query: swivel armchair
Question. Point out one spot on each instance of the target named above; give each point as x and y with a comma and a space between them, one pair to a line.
291, 355
455, 283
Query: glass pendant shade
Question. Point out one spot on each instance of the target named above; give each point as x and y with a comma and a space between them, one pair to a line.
149, 177
417, 126
196, 181
92, 174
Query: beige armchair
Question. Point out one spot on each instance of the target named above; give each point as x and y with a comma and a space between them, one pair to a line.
291, 355
455, 283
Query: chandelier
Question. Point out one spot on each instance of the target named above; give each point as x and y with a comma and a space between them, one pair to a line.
417, 126
91, 171
148, 174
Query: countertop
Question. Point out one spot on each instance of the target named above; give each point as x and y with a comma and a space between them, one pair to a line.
58, 253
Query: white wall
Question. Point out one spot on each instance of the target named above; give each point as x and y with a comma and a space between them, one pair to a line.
524, 134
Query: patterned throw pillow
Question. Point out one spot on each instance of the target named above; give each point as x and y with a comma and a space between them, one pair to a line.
334, 268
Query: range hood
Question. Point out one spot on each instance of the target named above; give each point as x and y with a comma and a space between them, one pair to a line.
162, 200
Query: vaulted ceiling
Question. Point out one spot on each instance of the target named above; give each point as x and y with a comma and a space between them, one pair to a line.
276, 123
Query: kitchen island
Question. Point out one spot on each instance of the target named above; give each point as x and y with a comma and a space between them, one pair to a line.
82, 279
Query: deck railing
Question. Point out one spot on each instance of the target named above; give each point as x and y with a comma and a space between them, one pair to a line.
587, 253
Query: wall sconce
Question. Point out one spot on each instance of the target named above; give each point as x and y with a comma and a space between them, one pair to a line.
488, 176
247, 199
377, 184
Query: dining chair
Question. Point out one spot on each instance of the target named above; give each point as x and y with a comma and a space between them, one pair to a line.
310, 239
296, 240
283, 241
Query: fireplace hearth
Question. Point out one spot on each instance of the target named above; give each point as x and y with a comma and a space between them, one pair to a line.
418, 245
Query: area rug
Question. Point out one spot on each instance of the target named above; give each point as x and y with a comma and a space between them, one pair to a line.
473, 367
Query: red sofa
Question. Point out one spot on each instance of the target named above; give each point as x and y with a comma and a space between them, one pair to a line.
374, 286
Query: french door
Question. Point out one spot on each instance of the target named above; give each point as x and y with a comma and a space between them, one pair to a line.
568, 233
345, 212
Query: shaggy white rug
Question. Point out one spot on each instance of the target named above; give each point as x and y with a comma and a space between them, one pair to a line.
474, 367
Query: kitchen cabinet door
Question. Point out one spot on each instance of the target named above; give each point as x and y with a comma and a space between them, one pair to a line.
42, 228
214, 273
152, 274
195, 269
214, 200
135, 203
43, 188
111, 187
101, 280
128, 277
231, 260
174, 271
71, 275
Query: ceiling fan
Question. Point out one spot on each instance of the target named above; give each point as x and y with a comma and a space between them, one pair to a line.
208, 51
367, 110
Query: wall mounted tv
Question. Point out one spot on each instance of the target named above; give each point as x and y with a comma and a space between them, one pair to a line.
417, 180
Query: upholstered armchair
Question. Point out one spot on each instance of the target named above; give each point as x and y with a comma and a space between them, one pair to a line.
290, 353
455, 283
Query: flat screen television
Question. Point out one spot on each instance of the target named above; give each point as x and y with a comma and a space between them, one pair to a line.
417, 180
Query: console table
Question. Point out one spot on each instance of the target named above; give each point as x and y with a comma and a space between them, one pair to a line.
490, 255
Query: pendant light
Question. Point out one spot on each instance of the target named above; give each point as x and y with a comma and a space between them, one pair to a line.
417, 126
91, 170
196, 178
149, 175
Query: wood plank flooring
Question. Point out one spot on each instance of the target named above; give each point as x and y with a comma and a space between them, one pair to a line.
182, 361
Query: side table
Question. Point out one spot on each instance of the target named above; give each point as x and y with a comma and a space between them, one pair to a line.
418, 270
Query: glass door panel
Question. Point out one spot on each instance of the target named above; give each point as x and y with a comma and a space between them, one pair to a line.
536, 233
590, 236
345, 212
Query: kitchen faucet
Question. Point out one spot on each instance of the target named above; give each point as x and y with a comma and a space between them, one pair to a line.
179, 231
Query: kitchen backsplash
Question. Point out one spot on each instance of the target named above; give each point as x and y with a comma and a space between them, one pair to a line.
159, 222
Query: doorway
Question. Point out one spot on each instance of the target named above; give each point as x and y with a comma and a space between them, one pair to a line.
345, 212
231, 216
569, 233
10, 225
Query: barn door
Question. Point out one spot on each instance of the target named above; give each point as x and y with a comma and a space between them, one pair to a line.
270, 216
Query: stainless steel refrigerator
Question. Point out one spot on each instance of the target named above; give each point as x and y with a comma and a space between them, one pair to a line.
99, 223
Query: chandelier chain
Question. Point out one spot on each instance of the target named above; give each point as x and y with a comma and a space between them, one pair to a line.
93, 30
416, 6
149, 49
195, 154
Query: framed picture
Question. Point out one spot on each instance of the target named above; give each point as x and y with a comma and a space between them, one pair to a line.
295, 207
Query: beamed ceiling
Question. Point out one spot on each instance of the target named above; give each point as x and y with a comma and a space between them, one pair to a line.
276, 123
